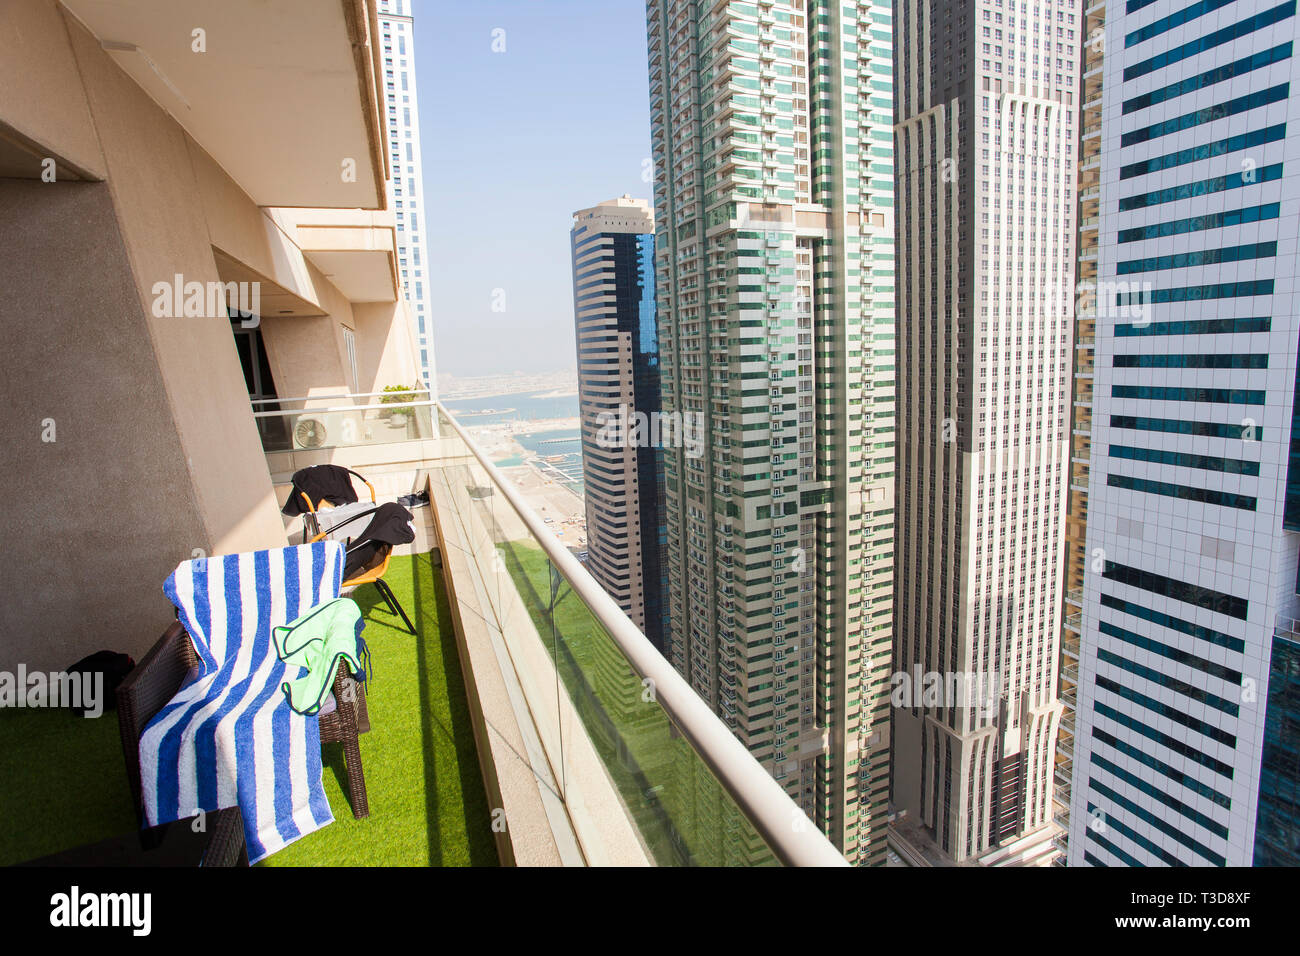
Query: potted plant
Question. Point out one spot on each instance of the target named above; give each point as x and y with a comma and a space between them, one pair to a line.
397, 395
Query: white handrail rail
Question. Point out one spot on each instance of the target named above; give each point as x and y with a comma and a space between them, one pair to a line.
785, 828
344, 408
314, 398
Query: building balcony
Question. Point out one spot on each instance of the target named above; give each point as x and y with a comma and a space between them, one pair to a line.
525, 689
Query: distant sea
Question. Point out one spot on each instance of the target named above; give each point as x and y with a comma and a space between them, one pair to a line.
562, 444
525, 407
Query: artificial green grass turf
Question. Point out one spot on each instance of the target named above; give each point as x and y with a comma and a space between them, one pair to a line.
64, 781
427, 802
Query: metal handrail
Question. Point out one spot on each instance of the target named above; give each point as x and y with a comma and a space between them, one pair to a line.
763, 801
345, 408
313, 398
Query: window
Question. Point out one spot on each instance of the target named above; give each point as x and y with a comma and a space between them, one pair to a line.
350, 347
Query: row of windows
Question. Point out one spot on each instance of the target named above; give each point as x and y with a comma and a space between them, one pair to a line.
1207, 634
1206, 187
1208, 114
1165, 24
1230, 466
1173, 683
1216, 220
1178, 426
1164, 740
1144, 758
1197, 293
1194, 360
1150, 790
1167, 711
1126, 858
1215, 396
1196, 327
1211, 40
1177, 590
1220, 147
1201, 257
1164, 827
1171, 653
1208, 78
1225, 499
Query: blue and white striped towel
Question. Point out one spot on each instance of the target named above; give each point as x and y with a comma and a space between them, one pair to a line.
230, 737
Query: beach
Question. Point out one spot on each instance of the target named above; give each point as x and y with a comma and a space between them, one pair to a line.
548, 486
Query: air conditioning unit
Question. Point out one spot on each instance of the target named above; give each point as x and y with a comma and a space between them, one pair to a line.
319, 429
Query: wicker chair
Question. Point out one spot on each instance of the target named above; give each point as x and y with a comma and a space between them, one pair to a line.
157, 678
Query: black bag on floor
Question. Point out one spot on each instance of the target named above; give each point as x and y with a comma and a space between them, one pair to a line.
112, 665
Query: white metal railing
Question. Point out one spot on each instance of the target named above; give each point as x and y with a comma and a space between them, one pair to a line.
373, 406
782, 825
331, 395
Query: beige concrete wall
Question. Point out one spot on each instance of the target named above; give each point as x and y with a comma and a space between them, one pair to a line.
385, 345
307, 353
155, 192
157, 454
43, 100
95, 520
248, 233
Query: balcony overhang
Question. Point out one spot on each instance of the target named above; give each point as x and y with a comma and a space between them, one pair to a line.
274, 300
284, 96
355, 249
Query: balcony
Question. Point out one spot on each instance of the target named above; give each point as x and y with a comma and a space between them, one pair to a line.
524, 674
588, 769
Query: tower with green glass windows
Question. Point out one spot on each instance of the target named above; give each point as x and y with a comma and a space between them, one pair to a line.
772, 131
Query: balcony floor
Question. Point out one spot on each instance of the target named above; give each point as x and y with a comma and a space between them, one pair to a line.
65, 785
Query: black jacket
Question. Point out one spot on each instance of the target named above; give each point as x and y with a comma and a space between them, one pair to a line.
331, 483
390, 524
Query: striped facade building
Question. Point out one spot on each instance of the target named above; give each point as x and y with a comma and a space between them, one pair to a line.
1187, 720
618, 380
987, 119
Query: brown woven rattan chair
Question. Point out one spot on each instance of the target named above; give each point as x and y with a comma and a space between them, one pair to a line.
157, 678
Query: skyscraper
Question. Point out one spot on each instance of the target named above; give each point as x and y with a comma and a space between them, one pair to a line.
773, 153
1187, 700
985, 143
397, 37
618, 392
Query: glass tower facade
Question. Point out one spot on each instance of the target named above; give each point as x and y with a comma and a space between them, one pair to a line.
772, 138
1186, 672
1277, 825
618, 386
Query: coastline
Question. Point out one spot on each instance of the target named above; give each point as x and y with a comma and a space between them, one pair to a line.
540, 483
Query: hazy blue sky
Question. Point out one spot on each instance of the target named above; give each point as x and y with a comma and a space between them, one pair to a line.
513, 143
